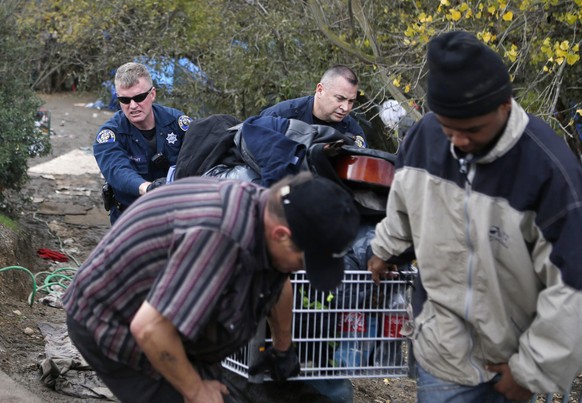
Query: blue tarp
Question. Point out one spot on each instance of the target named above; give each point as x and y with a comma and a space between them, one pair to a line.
165, 72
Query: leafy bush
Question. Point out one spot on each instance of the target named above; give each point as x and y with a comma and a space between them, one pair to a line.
19, 138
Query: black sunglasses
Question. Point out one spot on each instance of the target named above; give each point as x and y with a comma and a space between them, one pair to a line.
137, 98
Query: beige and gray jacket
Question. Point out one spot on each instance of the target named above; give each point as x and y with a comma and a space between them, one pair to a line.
498, 241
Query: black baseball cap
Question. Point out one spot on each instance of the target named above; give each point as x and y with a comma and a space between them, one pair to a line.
324, 221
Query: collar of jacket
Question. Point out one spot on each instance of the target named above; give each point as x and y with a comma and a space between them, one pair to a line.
516, 124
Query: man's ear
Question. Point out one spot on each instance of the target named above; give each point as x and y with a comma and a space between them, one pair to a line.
281, 233
506, 106
319, 88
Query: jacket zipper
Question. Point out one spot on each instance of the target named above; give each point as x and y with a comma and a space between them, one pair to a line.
468, 168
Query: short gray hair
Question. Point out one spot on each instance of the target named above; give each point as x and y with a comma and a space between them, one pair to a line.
129, 74
341, 71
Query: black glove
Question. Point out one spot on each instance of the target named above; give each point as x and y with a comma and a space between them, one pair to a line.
156, 184
281, 365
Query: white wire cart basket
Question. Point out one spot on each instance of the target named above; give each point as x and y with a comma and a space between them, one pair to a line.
353, 332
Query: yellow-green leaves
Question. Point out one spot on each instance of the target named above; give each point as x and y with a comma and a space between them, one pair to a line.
512, 53
559, 52
508, 16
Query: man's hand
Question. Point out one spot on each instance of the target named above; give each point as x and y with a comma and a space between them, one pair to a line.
156, 184
507, 385
209, 392
381, 269
280, 364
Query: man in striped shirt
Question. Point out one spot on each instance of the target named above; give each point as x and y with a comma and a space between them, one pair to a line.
183, 278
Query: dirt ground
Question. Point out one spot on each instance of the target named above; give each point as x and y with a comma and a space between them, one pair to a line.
60, 209
58, 212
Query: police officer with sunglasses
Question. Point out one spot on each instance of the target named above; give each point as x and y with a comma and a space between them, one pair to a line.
135, 148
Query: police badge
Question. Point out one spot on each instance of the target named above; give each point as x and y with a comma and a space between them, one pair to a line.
106, 136
171, 138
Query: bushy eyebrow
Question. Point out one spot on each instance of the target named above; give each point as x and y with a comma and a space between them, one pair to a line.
472, 129
341, 98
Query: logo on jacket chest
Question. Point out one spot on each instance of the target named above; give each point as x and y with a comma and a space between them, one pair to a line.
497, 234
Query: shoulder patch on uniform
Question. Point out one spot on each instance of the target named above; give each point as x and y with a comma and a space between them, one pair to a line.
106, 136
360, 142
184, 122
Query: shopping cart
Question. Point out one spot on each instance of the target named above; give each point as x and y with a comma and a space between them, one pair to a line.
351, 333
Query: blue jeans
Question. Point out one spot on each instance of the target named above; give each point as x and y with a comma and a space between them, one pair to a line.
430, 389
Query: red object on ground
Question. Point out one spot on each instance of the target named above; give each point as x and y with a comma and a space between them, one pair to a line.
52, 255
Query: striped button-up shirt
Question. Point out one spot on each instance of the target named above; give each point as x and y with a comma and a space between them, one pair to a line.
193, 249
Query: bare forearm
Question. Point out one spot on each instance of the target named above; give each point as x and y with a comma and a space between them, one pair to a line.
166, 353
280, 319
161, 343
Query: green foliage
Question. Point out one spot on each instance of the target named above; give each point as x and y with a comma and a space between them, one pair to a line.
83, 40
256, 53
539, 40
18, 105
253, 53
8, 223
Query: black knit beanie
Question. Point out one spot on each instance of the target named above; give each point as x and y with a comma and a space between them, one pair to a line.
466, 78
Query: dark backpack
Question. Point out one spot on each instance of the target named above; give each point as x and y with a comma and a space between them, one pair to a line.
207, 143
